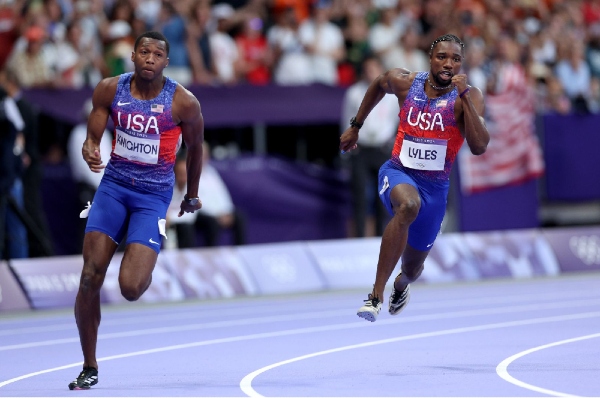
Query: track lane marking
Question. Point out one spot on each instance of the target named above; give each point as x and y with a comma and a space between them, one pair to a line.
502, 368
306, 316
246, 382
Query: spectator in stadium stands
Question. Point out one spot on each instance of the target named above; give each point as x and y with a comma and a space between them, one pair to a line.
13, 234
39, 238
172, 25
384, 34
118, 49
10, 20
255, 54
324, 42
77, 65
224, 50
574, 73
87, 181
292, 63
375, 144
31, 65
218, 212
406, 52
198, 43
356, 39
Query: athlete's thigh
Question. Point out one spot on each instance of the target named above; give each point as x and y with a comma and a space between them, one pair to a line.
148, 218
396, 187
137, 265
108, 213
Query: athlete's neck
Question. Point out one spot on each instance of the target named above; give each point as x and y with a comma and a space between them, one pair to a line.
146, 89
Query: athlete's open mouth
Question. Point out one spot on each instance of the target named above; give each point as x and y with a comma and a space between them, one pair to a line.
445, 75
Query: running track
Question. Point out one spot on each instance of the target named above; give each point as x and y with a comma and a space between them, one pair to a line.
528, 338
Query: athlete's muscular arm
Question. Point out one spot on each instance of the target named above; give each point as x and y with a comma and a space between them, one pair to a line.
103, 96
473, 125
187, 108
394, 81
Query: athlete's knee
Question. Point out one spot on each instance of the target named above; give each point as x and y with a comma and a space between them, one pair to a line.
92, 278
412, 272
133, 290
407, 210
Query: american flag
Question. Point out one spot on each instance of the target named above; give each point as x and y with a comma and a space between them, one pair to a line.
514, 154
157, 108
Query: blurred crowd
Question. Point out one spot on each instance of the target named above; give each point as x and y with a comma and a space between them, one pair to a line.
543, 52
75, 43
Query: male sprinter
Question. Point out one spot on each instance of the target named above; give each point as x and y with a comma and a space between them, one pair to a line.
151, 114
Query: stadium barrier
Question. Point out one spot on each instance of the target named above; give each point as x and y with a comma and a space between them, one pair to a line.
305, 266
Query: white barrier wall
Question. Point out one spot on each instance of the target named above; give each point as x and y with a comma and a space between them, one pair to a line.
295, 267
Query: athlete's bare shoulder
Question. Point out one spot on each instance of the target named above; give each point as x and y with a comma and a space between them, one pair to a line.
186, 106
398, 81
105, 91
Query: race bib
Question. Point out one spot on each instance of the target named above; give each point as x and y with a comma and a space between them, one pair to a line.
139, 147
423, 153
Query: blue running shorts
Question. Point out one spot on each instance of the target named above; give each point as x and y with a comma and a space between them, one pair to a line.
119, 208
434, 196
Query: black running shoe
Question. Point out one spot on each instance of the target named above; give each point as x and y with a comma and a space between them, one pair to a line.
399, 300
87, 378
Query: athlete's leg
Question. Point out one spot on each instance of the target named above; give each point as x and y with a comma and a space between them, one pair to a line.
413, 262
98, 250
406, 202
135, 274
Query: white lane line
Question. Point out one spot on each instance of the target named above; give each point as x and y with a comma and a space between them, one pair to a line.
292, 332
193, 313
502, 368
306, 316
246, 383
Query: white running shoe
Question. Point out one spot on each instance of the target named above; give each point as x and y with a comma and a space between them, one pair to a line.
371, 309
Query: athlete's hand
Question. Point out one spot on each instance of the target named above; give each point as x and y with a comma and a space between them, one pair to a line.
348, 139
186, 207
460, 82
91, 154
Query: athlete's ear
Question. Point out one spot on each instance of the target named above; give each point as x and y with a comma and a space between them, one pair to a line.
132, 56
167, 64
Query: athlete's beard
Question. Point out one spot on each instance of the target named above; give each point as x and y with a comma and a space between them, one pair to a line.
441, 83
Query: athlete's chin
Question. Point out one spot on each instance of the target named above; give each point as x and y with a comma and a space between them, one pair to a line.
147, 73
444, 79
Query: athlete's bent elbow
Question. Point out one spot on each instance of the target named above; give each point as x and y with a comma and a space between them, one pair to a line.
478, 150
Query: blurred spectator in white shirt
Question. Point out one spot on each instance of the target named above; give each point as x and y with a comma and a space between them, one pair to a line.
384, 34
218, 213
223, 47
575, 76
324, 43
86, 180
374, 147
407, 54
292, 62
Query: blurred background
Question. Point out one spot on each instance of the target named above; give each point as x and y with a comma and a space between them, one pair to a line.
278, 81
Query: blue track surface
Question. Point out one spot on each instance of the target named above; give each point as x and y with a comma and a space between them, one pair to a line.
535, 338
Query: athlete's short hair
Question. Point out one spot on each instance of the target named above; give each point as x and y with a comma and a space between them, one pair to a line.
447, 37
152, 35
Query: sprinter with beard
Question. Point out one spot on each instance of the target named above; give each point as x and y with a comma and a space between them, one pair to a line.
438, 112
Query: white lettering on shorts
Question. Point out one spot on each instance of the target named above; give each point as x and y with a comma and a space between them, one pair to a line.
139, 147
423, 153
